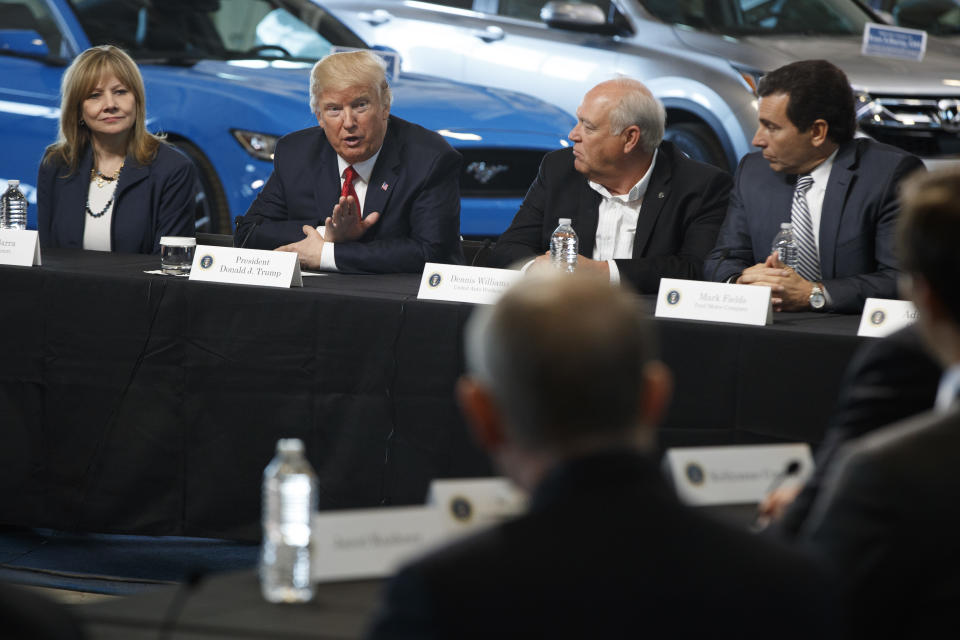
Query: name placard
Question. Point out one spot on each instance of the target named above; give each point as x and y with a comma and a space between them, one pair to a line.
370, 543
456, 283
736, 475
246, 266
882, 317
885, 41
465, 504
19, 247
714, 302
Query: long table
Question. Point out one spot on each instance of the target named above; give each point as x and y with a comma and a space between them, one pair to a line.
147, 404
230, 606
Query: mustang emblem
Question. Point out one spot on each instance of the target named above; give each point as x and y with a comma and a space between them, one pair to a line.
484, 173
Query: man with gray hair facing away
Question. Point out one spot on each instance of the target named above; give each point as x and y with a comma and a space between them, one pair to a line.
641, 208
564, 393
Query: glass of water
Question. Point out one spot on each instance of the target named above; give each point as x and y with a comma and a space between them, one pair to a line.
176, 254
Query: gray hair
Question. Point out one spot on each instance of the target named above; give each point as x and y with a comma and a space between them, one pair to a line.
339, 71
637, 106
564, 357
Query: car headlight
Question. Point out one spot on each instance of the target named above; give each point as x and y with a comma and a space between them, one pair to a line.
750, 76
259, 145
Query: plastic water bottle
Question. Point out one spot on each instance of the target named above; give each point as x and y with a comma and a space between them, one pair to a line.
13, 207
785, 245
564, 246
289, 501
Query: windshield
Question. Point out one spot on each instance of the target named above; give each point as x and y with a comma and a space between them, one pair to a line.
220, 29
763, 17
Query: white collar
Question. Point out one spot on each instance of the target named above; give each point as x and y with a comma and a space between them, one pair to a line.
821, 173
949, 389
364, 169
636, 192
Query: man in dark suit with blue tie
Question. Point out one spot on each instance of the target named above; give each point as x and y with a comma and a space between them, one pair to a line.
385, 190
839, 193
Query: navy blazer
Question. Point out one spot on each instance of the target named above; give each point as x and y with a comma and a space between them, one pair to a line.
153, 200
682, 210
414, 185
857, 223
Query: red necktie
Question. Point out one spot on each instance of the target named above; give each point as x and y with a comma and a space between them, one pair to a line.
349, 175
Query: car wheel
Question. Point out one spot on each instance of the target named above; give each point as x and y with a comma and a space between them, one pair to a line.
212, 213
699, 142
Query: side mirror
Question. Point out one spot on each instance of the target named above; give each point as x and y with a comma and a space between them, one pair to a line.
576, 16
24, 42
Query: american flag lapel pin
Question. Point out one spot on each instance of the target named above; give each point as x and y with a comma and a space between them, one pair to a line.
384, 186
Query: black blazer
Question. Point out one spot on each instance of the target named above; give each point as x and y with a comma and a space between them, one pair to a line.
606, 551
887, 517
857, 223
151, 201
414, 185
681, 215
888, 380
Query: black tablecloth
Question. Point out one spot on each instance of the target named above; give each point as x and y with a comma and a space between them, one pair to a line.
136, 403
230, 606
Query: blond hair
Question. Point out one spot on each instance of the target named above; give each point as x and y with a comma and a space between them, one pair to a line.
79, 80
339, 71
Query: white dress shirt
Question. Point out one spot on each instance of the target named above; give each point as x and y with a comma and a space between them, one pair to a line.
949, 390
820, 175
328, 261
617, 221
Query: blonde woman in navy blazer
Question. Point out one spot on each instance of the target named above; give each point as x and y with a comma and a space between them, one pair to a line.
107, 183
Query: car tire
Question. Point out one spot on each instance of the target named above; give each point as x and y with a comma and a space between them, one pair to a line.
698, 142
212, 213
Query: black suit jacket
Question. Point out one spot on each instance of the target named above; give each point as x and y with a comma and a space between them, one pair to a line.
606, 551
888, 380
888, 519
25, 615
681, 214
857, 222
151, 201
414, 185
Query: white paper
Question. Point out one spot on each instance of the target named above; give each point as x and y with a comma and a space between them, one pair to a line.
735, 474
456, 283
19, 247
714, 302
882, 317
246, 266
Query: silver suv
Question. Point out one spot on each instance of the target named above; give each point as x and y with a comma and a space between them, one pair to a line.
702, 58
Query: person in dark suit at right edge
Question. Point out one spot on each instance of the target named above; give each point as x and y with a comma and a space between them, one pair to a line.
839, 192
887, 516
563, 390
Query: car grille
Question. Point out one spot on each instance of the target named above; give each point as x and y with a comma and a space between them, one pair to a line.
498, 173
927, 126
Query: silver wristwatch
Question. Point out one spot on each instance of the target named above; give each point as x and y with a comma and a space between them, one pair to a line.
817, 299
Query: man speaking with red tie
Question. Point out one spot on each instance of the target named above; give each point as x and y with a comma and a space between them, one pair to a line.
384, 191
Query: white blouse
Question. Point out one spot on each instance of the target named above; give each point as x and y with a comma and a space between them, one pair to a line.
96, 231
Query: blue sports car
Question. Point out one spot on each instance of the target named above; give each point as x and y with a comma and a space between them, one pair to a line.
226, 78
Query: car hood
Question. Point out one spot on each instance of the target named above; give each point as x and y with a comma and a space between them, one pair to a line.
281, 88
937, 74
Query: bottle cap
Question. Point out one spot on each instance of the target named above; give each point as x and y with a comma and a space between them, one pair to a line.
290, 445
564, 221
13, 183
